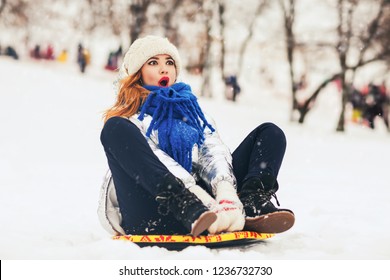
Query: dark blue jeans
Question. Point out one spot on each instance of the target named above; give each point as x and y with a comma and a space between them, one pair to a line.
137, 171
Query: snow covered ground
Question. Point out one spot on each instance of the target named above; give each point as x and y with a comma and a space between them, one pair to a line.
52, 165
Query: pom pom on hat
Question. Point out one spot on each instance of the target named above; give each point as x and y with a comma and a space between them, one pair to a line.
144, 48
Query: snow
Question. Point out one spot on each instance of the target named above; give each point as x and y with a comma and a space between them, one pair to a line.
52, 165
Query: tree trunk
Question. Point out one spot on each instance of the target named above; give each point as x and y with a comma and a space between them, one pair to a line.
221, 12
289, 15
138, 12
307, 105
170, 32
206, 65
244, 45
341, 122
344, 30
2, 5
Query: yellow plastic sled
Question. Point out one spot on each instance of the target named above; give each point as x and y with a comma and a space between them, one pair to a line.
179, 242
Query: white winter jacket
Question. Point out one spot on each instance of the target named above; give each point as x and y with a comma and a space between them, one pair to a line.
212, 162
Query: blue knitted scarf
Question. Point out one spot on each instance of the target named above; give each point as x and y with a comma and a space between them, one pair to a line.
178, 119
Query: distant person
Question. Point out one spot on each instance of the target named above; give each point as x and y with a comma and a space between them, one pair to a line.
170, 172
87, 55
113, 59
357, 101
376, 105
119, 54
83, 57
49, 54
63, 56
36, 52
111, 62
232, 87
10, 51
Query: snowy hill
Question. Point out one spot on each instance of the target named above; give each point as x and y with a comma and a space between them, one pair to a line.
52, 164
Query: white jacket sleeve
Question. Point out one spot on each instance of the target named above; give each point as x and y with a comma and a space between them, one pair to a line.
215, 161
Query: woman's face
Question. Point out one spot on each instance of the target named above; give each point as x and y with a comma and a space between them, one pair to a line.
159, 71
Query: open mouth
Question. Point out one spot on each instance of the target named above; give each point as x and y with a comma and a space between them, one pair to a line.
163, 82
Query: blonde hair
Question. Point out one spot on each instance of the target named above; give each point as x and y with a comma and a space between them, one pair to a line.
130, 97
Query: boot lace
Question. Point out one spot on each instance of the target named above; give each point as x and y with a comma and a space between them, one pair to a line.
273, 194
182, 201
262, 195
269, 194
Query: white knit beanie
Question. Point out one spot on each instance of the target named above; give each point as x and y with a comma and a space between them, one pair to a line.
144, 48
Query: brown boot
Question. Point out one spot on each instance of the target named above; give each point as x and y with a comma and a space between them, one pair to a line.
261, 214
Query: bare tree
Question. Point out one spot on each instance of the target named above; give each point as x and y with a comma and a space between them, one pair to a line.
110, 14
288, 9
2, 5
206, 49
138, 9
23, 15
89, 16
344, 31
221, 12
169, 30
365, 41
14, 12
260, 8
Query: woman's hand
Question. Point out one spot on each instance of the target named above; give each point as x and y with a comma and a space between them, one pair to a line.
228, 208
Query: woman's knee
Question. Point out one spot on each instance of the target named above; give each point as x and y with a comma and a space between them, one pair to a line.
273, 131
116, 128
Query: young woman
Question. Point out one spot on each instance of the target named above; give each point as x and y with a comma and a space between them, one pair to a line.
169, 171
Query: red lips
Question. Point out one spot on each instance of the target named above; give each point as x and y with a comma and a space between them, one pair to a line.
163, 82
